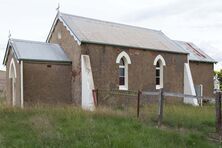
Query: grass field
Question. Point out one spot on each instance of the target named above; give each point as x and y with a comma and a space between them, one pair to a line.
184, 126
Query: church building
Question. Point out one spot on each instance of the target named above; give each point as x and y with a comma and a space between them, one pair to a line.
81, 54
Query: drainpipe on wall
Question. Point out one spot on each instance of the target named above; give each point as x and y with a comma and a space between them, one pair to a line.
21, 74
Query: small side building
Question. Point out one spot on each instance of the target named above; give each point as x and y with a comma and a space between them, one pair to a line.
202, 68
36, 72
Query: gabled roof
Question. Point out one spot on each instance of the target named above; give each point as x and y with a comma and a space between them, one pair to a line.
36, 51
195, 53
87, 30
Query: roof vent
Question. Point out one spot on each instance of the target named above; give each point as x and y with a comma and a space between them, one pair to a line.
59, 35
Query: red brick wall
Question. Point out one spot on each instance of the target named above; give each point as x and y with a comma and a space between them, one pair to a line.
141, 71
45, 84
73, 51
202, 73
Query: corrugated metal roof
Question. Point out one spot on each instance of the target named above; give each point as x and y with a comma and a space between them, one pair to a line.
38, 51
195, 53
102, 32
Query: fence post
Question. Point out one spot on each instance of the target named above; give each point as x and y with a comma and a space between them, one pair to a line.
218, 112
138, 103
160, 110
95, 96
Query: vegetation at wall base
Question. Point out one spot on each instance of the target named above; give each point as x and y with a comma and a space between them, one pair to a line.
68, 126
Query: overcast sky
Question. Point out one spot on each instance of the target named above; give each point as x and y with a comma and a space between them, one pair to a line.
198, 21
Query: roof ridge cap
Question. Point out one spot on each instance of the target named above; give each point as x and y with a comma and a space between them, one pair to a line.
31, 41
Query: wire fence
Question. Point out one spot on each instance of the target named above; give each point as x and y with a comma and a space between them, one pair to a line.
147, 105
115, 98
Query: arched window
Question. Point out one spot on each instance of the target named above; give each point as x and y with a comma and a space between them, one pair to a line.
158, 73
123, 60
159, 62
122, 73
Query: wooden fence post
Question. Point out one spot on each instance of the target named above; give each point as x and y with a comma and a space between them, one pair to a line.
160, 110
218, 112
138, 103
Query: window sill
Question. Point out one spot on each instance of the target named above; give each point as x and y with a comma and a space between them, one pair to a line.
159, 87
123, 88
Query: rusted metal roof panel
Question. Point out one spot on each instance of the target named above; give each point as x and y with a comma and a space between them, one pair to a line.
195, 53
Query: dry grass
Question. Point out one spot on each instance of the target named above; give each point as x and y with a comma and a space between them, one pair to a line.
69, 126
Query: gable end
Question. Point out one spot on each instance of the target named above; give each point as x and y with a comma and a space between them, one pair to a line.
8, 47
59, 18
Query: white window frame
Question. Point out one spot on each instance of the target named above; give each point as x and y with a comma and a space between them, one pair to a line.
160, 76
127, 61
162, 63
125, 66
158, 68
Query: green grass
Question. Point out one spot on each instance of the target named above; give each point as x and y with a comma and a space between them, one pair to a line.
184, 126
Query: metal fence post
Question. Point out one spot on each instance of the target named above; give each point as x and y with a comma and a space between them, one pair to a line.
95, 96
160, 110
138, 103
218, 112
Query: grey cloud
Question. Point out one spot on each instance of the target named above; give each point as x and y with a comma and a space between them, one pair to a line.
160, 11
197, 9
211, 50
207, 26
